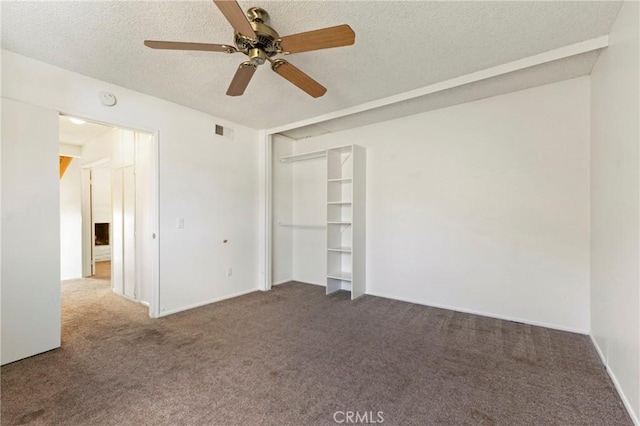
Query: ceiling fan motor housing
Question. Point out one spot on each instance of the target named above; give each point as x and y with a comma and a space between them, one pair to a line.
266, 43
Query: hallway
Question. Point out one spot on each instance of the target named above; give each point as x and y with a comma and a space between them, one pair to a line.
102, 271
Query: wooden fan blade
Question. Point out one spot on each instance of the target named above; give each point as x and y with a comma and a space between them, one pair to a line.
297, 77
342, 35
236, 17
178, 45
241, 79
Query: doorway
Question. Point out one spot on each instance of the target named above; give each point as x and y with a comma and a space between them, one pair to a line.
118, 185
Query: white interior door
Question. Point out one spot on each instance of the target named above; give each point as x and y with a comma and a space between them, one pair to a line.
30, 306
117, 232
129, 231
132, 215
87, 232
144, 208
92, 224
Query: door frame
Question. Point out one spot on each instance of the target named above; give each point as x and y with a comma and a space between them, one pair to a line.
88, 233
154, 302
265, 194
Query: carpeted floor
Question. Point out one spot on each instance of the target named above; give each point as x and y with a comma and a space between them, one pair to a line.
102, 270
295, 356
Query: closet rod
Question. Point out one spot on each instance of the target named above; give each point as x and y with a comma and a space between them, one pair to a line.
294, 225
305, 156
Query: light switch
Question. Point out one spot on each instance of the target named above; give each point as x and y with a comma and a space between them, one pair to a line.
180, 223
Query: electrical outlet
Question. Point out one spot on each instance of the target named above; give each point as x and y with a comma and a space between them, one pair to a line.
229, 272
180, 223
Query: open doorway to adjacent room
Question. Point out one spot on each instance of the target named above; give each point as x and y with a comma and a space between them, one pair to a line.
107, 207
97, 217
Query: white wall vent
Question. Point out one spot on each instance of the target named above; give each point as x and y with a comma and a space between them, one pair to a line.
225, 132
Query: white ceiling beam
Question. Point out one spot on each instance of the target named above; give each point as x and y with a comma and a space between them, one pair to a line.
531, 61
68, 150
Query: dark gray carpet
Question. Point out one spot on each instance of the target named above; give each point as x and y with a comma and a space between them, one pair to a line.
296, 356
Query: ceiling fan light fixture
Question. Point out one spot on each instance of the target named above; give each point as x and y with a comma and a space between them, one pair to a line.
257, 56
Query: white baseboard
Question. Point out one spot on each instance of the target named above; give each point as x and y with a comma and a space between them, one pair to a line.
139, 302
614, 379
282, 282
484, 314
208, 302
598, 350
72, 278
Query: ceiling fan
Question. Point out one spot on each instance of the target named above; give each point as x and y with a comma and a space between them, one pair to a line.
256, 39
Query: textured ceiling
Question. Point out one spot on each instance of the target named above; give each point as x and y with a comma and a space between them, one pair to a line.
399, 46
80, 134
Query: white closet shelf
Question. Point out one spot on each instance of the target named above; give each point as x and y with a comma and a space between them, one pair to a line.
346, 203
338, 223
340, 275
304, 156
340, 249
343, 180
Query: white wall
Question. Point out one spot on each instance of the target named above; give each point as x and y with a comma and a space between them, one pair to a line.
310, 210
282, 218
101, 197
99, 148
615, 205
68, 150
212, 182
481, 207
71, 222
30, 231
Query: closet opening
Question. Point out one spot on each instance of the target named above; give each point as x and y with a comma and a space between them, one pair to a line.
318, 218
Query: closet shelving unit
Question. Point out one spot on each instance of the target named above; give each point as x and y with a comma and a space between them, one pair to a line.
346, 188
346, 174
